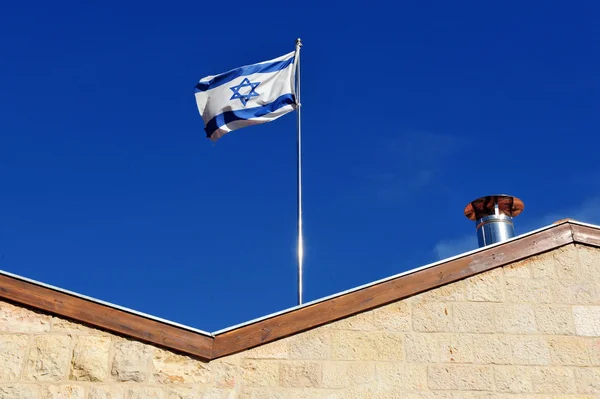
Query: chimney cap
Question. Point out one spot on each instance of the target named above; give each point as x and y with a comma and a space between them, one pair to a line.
484, 206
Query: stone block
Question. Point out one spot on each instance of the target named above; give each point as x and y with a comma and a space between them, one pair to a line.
515, 318
311, 345
518, 270
492, 349
574, 292
422, 348
450, 292
300, 374
142, 392
12, 355
361, 345
530, 350
512, 379
65, 326
345, 374
213, 393
259, 373
456, 349
359, 322
394, 317
557, 320
594, 351
557, 380
21, 320
171, 368
48, 358
587, 320
568, 351
63, 392
473, 317
567, 264
180, 392
410, 377
432, 317
90, 358
106, 392
486, 287
224, 372
19, 391
274, 350
589, 263
543, 266
527, 290
460, 377
588, 380
131, 361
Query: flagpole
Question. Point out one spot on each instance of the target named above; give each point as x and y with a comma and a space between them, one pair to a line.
299, 170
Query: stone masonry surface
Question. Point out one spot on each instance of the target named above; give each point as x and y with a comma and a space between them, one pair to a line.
527, 330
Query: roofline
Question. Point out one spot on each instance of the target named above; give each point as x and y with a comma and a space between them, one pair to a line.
208, 346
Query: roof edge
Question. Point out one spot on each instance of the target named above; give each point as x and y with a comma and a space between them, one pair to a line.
209, 346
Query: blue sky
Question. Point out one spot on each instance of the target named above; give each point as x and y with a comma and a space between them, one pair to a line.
410, 110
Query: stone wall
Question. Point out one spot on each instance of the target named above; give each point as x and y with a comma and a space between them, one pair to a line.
528, 330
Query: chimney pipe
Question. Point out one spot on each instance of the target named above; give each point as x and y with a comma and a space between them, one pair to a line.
493, 216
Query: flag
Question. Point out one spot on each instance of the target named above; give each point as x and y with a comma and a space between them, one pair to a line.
245, 96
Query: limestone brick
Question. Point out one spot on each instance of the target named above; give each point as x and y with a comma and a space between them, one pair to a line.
527, 290
460, 377
512, 379
394, 317
432, 316
12, 355
567, 264
144, 392
20, 320
456, 349
473, 317
63, 392
409, 376
587, 320
171, 368
59, 325
274, 350
515, 318
588, 380
224, 372
106, 392
90, 358
589, 263
594, 351
314, 344
554, 319
263, 393
360, 322
543, 267
19, 391
492, 349
48, 358
575, 292
211, 393
357, 345
344, 374
259, 373
569, 351
180, 392
300, 374
449, 292
486, 287
530, 350
518, 270
558, 380
131, 361
422, 348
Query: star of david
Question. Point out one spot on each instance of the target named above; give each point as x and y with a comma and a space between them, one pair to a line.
244, 98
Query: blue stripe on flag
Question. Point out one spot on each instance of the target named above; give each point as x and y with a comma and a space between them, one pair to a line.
243, 71
248, 113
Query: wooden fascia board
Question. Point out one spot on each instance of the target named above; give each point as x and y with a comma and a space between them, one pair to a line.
105, 317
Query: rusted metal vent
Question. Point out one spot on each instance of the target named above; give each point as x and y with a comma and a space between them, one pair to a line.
493, 216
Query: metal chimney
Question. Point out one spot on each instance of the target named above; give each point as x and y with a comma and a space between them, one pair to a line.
493, 216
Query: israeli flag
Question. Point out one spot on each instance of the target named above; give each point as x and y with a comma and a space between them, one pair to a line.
246, 96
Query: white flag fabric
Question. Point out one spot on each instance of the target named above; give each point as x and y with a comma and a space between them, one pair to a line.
246, 96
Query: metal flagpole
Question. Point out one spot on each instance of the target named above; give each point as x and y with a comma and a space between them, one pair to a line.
299, 168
